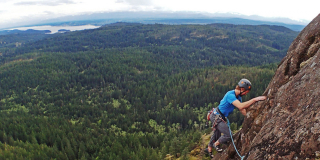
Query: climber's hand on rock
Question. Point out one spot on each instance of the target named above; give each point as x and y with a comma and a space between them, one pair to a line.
260, 98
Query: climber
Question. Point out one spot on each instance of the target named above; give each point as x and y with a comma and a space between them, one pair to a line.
230, 100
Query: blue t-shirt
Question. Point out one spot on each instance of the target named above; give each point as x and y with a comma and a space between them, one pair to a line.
226, 106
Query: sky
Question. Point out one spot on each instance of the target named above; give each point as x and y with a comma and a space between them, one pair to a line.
15, 12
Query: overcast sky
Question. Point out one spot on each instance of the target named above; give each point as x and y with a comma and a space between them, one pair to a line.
21, 11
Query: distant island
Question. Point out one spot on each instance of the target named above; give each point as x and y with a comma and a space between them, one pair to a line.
55, 29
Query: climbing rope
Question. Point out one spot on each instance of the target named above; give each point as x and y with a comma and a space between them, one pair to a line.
242, 157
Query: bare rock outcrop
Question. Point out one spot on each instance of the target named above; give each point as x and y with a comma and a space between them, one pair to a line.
287, 124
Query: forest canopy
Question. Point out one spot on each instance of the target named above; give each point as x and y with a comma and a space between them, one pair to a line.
127, 91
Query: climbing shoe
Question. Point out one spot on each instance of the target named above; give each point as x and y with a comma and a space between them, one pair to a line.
208, 153
217, 148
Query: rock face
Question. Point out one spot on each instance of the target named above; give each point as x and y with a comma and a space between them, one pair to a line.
287, 124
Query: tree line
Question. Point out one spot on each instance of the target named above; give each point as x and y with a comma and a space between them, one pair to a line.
128, 91
68, 103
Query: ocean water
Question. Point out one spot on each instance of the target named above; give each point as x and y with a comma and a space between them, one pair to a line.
55, 29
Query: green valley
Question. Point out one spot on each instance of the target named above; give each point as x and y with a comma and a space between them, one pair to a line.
127, 91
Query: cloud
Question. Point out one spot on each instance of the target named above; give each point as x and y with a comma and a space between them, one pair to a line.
136, 2
46, 3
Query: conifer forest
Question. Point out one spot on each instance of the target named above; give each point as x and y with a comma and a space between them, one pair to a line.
127, 90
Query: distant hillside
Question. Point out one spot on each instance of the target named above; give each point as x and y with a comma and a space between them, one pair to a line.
174, 18
30, 31
235, 21
201, 45
15, 38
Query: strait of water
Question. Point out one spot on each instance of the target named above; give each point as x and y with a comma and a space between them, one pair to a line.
55, 29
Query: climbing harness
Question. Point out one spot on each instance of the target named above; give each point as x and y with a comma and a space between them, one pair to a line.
242, 157
223, 118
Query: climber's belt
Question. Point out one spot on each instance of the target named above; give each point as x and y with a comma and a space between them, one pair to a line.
222, 116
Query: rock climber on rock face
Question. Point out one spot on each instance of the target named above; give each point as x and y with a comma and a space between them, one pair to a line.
230, 100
